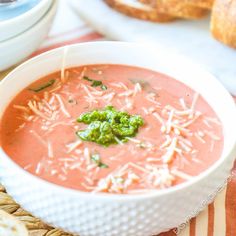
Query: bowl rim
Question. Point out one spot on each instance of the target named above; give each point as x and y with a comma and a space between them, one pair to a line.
38, 23
32, 11
124, 197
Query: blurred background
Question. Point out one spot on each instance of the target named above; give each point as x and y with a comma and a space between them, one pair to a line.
30, 27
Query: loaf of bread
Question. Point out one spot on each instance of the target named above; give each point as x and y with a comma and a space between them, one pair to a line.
223, 18
138, 10
223, 22
10, 226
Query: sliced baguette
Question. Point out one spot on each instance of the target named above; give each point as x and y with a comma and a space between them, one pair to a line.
10, 226
138, 10
223, 22
179, 8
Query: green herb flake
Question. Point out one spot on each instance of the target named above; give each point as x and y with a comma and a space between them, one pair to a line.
72, 101
43, 86
97, 160
103, 87
103, 166
106, 127
87, 78
95, 83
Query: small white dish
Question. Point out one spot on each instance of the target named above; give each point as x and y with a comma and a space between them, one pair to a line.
98, 214
20, 47
12, 27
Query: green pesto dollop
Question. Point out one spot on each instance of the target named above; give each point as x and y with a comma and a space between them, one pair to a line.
109, 126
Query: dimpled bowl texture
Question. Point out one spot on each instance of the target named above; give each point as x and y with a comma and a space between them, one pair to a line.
148, 214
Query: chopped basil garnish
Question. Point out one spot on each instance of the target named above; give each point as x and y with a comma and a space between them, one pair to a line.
103, 87
87, 78
102, 165
43, 86
109, 126
95, 83
72, 101
97, 160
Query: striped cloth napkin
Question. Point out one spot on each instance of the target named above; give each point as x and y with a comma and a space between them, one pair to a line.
219, 218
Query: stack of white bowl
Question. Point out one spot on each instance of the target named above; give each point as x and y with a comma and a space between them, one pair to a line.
21, 35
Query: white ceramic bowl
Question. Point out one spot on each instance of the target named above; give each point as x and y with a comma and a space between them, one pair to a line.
89, 214
12, 27
20, 47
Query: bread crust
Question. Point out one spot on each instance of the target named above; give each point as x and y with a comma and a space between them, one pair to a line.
223, 22
179, 8
144, 12
207, 4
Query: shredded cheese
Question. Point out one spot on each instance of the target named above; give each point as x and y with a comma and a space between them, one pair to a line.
72, 146
50, 150
181, 174
169, 155
62, 106
65, 51
153, 169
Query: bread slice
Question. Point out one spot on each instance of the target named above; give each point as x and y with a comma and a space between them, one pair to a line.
179, 8
10, 226
223, 22
139, 10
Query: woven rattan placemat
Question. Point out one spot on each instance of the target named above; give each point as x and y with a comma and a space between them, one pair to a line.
35, 226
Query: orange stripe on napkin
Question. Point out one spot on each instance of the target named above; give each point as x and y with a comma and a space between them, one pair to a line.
192, 229
230, 204
211, 212
169, 233
89, 37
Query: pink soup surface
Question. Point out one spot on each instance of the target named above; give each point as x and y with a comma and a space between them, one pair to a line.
181, 136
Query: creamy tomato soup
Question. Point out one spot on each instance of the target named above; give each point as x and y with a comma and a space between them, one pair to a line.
111, 128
